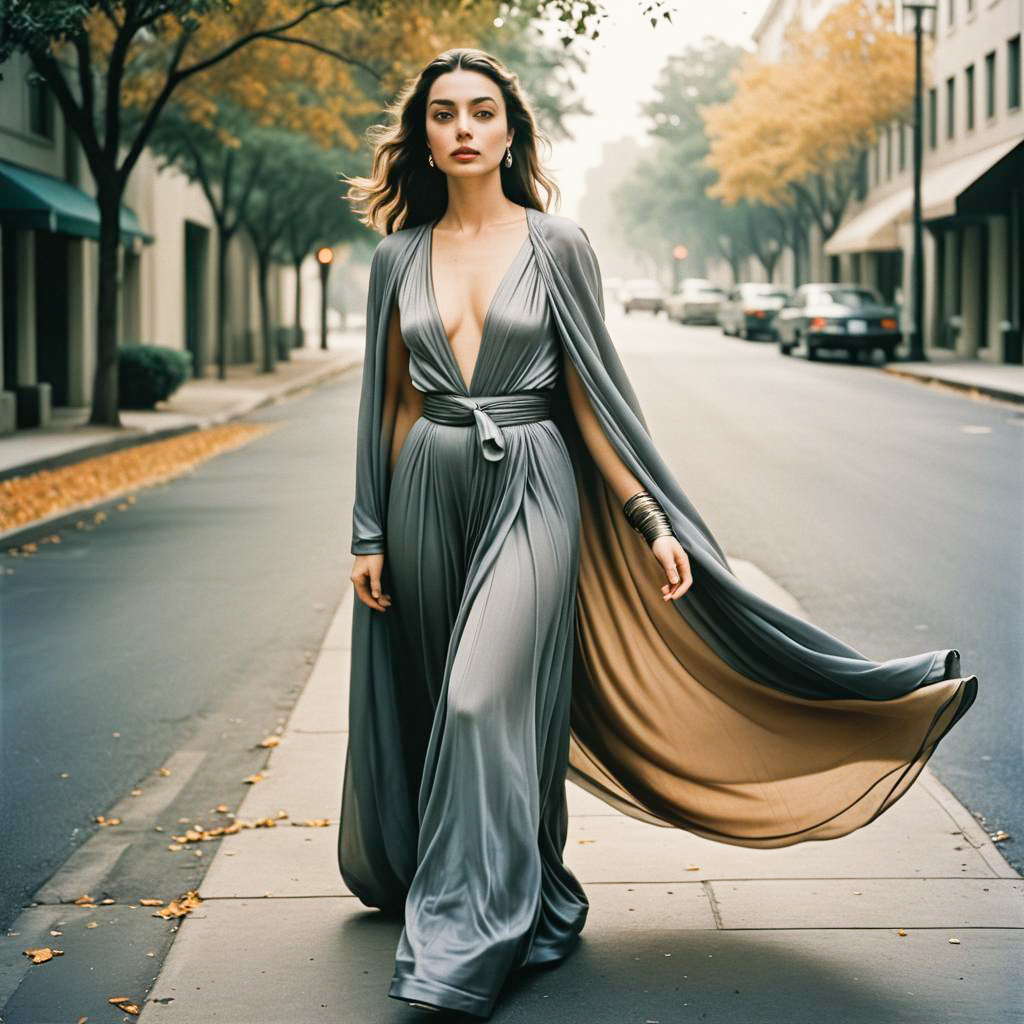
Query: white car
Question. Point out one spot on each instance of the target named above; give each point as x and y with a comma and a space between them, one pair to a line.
642, 293
697, 301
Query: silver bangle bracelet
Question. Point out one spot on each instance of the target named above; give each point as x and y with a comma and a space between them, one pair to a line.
646, 516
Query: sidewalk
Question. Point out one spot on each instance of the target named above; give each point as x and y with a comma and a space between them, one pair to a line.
680, 928
196, 404
996, 380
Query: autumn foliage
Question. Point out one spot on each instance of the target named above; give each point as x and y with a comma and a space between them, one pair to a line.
816, 109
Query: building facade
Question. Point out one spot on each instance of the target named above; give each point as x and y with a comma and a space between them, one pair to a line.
49, 255
972, 183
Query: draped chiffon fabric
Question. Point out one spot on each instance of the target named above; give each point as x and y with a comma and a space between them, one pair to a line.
528, 643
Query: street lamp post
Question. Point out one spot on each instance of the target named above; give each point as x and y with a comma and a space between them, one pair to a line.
917, 259
679, 253
324, 256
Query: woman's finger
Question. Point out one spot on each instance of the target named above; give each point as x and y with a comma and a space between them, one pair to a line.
684, 578
687, 578
363, 592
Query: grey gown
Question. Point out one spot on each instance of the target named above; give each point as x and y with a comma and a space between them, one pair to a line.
528, 641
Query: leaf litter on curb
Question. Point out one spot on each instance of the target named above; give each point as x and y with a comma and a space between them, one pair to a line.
49, 492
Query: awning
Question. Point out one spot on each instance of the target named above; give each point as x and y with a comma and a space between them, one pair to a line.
41, 202
942, 186
874, 228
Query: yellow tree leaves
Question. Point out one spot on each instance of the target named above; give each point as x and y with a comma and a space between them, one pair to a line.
816, 108
314, 79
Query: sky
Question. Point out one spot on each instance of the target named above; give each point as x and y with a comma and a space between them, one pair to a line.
623, 66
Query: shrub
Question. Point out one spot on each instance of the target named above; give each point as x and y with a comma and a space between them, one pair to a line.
147, 374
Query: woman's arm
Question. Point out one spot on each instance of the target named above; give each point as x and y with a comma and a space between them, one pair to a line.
613, 469
667, 550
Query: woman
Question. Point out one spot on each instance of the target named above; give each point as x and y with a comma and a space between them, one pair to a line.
526, 605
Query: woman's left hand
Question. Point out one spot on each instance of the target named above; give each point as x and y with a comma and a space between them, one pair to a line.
676, 564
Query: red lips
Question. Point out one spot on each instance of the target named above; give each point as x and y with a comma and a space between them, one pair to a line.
465, 149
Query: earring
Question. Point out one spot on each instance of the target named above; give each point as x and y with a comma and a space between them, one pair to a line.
508, 156
430, 158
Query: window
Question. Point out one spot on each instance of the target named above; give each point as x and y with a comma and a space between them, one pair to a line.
1013, 73
969, 95
933, 117
950, 107
40, 107
990, 84
951, 12
888, 153
902, 129
876, 159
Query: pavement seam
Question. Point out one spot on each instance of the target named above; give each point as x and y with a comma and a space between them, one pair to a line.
713, 902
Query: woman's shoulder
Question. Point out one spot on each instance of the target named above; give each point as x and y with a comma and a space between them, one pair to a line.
391, 245
561, 231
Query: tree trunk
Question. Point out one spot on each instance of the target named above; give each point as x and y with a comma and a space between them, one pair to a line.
299, 339
223, 241
268, 365
104, 410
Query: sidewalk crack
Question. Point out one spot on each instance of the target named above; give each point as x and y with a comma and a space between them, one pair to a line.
710, 892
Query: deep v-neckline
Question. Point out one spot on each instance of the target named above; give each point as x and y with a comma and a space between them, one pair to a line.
490, 306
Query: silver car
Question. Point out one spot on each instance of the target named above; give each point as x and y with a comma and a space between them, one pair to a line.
750, 308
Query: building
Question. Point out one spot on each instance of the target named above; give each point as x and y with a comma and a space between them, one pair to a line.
972, 183
49, 226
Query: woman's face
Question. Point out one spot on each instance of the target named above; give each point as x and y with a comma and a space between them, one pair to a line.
465, 109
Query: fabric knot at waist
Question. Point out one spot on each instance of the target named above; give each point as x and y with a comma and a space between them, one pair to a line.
488, 412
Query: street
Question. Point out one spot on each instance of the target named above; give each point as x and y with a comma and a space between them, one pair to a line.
186, 623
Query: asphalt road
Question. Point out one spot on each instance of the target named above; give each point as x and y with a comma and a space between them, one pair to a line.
185, 621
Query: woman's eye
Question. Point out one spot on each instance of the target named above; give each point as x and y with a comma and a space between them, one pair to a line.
443, 115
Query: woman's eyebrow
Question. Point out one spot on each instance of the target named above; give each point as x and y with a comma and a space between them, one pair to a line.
451, 103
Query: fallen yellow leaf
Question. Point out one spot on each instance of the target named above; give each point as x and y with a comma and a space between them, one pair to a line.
42, 954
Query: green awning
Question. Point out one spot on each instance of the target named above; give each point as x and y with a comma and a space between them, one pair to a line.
41, 202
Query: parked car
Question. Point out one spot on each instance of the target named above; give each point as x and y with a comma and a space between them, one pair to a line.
696, 302
837, 316
749, 309
642, 293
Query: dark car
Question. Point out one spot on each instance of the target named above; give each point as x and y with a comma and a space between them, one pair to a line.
837, 316
749, 309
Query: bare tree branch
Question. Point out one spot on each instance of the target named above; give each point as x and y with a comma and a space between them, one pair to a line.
142, 135
333, 5
85, 83
337, 54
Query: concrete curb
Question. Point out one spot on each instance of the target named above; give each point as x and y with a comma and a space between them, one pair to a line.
65, 518
957, 385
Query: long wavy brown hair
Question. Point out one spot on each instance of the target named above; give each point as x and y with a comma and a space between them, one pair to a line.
403, 190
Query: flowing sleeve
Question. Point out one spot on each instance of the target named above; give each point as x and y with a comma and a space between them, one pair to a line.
371, 455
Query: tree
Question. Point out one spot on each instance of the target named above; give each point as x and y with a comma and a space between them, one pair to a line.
793, 134
323, 221
116, 45
664, 200
227, 179
150, 48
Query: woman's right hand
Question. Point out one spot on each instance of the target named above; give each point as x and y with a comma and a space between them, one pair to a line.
366, 574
